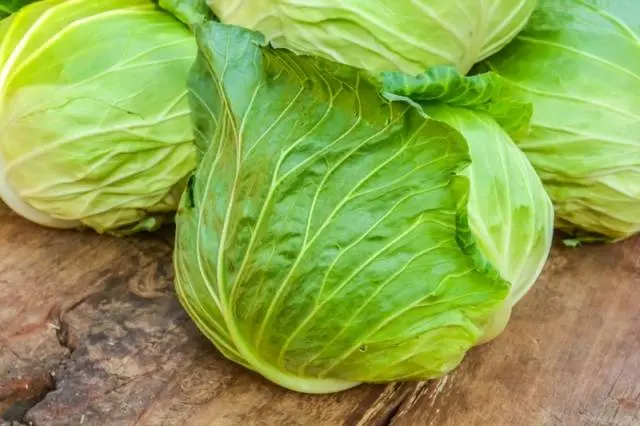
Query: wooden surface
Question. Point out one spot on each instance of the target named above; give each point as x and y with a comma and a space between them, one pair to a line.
91, 334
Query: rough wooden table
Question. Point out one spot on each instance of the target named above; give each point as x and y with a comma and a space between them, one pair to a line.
91, 334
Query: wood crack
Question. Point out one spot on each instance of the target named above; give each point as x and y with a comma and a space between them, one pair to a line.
19, 396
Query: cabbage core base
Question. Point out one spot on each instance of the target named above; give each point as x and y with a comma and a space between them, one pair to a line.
301, 384
294, 382
290, 381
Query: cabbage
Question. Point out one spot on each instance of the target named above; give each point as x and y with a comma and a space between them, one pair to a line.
95, 127
379, 35
510, 214
578, 62
332, 235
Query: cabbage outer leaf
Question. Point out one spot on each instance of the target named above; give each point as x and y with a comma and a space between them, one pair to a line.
95, 125
578, 63
190, 12
323, 240
510, 214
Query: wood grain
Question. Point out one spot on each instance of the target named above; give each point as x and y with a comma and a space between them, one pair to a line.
91, 334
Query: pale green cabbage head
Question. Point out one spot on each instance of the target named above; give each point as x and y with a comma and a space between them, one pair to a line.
384, 35
332, 235
94, 118
578, 62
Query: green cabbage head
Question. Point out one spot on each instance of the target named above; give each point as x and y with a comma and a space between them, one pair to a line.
94, 117
384, 35
578, 62
333, 235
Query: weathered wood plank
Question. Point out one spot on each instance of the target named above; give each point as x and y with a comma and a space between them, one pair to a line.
571, 354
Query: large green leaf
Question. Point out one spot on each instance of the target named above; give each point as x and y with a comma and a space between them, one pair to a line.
324, 239
578, 63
